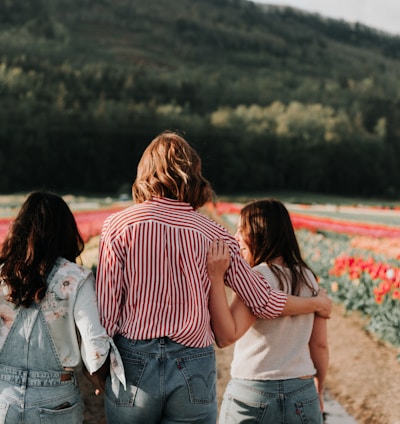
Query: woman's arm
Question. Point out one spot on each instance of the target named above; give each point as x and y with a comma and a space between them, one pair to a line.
320, 304
109, 290
319, 351
265, 302
228, 323
99, 354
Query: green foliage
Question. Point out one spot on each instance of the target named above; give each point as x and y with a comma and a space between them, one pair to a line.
276, 98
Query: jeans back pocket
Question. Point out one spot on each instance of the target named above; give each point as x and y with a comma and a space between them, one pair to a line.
200, 374
134, 369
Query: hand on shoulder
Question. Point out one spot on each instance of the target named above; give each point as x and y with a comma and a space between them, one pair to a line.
218, 260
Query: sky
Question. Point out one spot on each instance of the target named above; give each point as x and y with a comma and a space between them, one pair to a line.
380, 14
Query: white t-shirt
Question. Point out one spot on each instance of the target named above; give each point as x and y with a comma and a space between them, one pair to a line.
276, 349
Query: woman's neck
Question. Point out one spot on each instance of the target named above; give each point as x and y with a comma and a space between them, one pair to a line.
278, 261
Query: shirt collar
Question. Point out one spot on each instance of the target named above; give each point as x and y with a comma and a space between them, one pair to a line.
176, 204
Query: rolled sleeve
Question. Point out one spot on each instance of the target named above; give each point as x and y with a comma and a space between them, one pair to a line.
95, 343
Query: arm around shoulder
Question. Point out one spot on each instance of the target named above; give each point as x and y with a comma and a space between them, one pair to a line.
320, 304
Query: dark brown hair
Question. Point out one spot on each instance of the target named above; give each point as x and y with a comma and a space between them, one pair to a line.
43, 230
171, 168
268, 232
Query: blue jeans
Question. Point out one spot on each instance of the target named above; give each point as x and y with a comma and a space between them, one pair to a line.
166, 383
292, 401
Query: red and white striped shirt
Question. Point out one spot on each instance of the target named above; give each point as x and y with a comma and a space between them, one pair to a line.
152, 278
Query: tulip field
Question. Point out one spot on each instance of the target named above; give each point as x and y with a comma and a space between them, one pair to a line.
356, 260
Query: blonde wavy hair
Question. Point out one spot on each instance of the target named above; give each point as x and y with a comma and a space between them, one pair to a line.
170, 167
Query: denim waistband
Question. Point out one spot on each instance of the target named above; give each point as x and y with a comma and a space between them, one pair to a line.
159, 346
31, 378
152, 345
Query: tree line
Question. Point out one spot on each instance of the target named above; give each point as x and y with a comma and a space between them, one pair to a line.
87, 133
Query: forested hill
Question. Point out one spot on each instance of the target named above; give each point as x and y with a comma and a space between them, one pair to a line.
311, 103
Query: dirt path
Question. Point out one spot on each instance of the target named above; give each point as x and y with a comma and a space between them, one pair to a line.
364, 374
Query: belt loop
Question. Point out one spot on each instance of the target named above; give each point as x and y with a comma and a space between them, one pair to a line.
162, 341
66, 377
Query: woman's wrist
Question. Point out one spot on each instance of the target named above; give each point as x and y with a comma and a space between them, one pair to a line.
323, 304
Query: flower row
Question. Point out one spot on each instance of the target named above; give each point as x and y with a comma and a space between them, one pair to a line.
368, 283
386, 275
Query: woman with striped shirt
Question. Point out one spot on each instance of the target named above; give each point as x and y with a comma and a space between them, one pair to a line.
153, 291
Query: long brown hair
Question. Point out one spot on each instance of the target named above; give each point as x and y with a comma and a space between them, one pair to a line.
171, 168
268, 232
43, 230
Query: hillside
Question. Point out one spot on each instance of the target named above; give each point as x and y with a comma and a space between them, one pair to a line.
77, 73
242, 37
